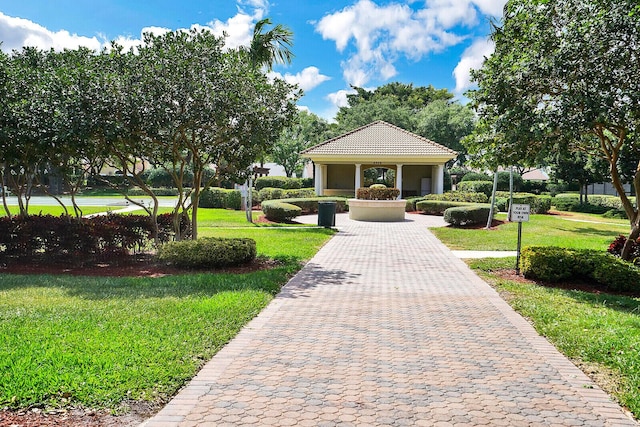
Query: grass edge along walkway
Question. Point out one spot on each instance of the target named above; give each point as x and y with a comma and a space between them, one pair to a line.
100, 342
600, 333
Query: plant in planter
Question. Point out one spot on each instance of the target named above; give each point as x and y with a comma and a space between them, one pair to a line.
377, 203
377, 192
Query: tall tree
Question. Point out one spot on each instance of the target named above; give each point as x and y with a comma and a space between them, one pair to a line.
562, 69
270, 47
446, 123
307, 130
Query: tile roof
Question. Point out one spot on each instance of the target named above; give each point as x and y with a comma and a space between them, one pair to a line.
380, 139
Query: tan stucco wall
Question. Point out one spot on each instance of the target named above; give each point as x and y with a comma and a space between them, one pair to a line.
411, 178
341, 177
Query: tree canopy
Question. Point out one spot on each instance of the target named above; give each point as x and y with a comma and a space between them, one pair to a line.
562, 69
426, 111
182, 101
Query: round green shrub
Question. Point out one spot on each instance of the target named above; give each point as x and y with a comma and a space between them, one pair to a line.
475, 176
467, 215
275, 210
437, 207
208, 252
485, 187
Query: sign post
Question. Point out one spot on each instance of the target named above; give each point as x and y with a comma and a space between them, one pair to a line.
519, 214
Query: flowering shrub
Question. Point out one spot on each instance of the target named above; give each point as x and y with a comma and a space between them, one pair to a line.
377, 193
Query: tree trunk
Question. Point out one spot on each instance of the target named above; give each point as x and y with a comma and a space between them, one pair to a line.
633, 237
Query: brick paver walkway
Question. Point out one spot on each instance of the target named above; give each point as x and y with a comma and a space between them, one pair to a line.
385, 327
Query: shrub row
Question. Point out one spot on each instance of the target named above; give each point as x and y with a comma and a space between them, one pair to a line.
539, 204
216, 197
599, 204
276, 210
274, 193
437, 207
485, 187
554, 264
461, 216
377, 193
137, 191
282, 182
451, 196
60, 238
309, 205
208, 252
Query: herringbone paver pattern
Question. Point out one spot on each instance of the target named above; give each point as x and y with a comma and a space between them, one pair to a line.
385, 327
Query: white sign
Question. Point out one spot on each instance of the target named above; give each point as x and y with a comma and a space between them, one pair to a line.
520, 213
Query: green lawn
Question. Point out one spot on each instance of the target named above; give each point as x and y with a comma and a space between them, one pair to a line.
100, 342
600, 332
58, 210
543, 230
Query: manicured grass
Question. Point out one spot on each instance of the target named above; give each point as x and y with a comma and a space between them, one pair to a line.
598, 331
100, 342
541, 230
58, 210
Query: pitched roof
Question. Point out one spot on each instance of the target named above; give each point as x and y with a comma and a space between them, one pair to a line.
380, 139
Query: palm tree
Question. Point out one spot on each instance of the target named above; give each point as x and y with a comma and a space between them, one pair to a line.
270, 47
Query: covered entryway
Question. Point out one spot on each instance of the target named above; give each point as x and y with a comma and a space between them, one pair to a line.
416, 162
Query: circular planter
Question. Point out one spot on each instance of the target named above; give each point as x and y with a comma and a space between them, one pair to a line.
377, 210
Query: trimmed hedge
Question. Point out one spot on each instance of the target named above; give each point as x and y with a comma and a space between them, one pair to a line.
276, 210
208, 252
459, 196
65, 238
539, 204
377, 193
437, 207
554, 264
220, 198
476, 176
282, 182
309, 205
275, 193
485, 187
467, 215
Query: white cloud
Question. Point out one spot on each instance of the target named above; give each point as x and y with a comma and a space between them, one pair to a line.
16, 33
307, 79
472, 58
339, 98
380, 35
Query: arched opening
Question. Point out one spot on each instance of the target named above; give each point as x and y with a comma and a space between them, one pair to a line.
379, 175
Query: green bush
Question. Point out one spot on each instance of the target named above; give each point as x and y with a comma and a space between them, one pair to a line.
208, 252
437, 207
220, 198
553, 264
310, 204
566, 202
475, 176
377, 193
136, 191
233, 200
535, 187
504, 179
282, 182
485, 187
467, 215
276, 210
459, 196
538, 204
274, 193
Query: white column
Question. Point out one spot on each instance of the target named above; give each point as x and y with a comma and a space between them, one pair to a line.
325, 177
358, 174
399, 179
319, 176
437, 179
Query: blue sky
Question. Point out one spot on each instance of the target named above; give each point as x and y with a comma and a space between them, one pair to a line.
337, 43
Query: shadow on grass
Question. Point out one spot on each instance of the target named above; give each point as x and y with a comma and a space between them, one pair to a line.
591, 231
134, 288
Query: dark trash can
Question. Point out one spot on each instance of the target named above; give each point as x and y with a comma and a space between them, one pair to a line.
326, 214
